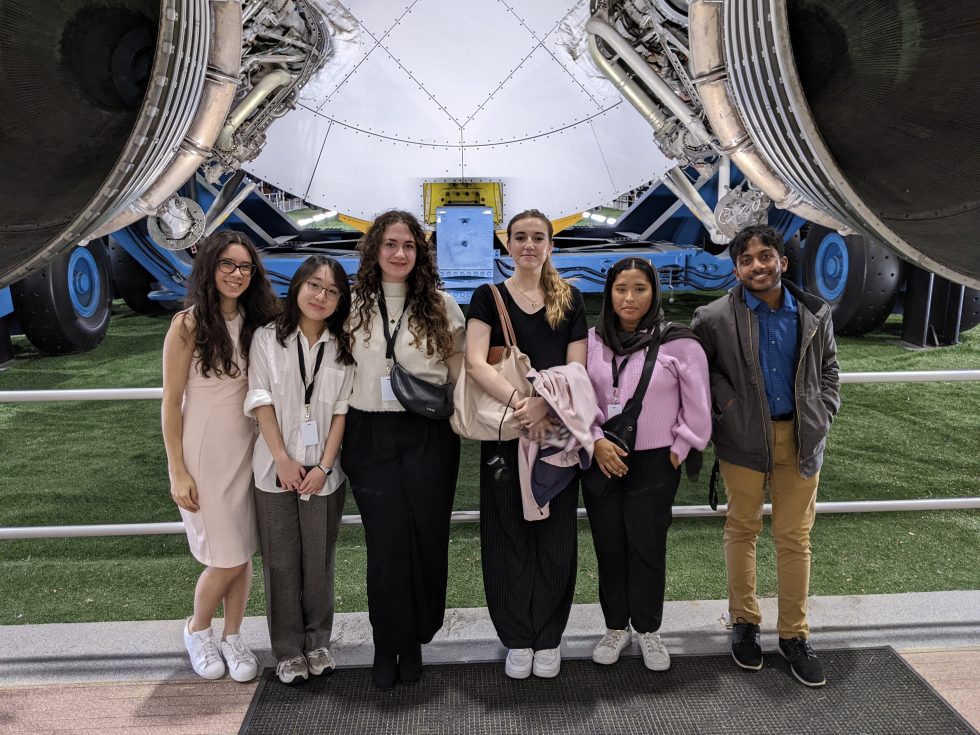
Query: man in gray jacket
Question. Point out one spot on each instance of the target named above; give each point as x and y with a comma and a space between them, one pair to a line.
775, 391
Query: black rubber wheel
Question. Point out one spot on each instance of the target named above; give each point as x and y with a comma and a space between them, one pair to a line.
859, 277
65, 306
970, 316
794, 254
133, 281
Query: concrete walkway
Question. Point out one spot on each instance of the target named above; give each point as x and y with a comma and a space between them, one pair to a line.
939, 630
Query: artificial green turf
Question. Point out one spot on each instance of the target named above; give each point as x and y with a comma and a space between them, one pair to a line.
86, 463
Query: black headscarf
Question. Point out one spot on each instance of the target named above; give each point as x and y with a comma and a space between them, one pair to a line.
609, 329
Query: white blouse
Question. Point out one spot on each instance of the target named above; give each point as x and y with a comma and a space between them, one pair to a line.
274, 380
372, 365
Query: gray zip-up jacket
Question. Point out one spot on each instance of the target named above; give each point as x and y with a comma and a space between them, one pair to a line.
741, 427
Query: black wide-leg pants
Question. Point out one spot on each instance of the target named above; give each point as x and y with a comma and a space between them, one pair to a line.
402, 470
528, 566
629, 530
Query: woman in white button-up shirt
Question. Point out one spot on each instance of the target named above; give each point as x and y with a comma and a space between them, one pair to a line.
300, 375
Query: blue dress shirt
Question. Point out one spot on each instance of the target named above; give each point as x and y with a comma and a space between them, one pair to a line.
779, 344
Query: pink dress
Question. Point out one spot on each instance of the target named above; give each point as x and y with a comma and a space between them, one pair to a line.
217, 442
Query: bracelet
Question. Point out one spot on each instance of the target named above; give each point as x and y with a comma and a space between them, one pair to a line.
327, 471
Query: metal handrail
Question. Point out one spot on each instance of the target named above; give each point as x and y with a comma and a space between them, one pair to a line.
473, 516
138, 394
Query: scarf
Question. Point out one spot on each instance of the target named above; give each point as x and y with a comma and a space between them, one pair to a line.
621, 342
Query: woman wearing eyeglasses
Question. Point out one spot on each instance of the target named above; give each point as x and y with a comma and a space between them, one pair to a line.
402, 466
300, 371
209, 440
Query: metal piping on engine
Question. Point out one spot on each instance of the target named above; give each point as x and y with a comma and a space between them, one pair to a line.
710, 77
220, 84
683, 189
628, 88
638, 66
265, 87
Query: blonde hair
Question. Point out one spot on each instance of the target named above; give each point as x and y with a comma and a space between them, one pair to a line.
557, 292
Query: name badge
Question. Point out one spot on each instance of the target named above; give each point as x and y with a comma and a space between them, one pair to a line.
613, 409
308, 433
387, 393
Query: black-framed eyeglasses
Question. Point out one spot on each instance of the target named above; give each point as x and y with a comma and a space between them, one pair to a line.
315, 289
230, 266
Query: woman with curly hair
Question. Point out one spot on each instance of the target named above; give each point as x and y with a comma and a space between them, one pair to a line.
528, 567
209, 440
402, 467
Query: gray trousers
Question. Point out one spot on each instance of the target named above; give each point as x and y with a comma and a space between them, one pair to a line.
299, 539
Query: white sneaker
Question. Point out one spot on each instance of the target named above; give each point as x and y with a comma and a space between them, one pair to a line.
655, 656
319, 660
547, 663
290, 669
204, 654
519, 663
610, 646
242, 665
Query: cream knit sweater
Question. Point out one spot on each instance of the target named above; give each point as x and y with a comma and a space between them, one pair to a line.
370, 355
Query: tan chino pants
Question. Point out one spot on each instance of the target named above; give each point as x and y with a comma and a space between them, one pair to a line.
793, 508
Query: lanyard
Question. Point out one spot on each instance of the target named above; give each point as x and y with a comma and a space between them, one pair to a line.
616, 372
308, 388
389, 337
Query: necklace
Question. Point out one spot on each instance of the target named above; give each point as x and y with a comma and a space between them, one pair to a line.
534, 302
229, 314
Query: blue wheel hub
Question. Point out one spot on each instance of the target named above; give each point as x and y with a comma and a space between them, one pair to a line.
84, 283
832, 266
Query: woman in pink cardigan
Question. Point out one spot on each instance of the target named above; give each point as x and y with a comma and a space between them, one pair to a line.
630, 521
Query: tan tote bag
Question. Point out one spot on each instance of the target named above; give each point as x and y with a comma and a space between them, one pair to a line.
477, 414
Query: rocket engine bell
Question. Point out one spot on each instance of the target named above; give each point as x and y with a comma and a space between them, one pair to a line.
867, 110
106, 108
861, 114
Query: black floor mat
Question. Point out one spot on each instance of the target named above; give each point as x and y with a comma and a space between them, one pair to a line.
868, 691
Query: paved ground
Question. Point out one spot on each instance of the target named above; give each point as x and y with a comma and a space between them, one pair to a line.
134, 677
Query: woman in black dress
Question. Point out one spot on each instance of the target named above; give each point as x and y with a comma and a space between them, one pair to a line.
528, 567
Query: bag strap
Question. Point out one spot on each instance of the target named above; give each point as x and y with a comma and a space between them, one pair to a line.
635, 403
713, 485
510, 337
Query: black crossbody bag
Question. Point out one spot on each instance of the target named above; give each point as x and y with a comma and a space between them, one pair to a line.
621, 429
418, 395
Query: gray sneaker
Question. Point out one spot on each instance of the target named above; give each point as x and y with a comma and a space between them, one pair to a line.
291, 669
609, 647
319, 661
655, 656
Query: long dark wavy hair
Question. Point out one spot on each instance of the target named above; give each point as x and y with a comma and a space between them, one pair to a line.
288, 319
428, 319
213, 346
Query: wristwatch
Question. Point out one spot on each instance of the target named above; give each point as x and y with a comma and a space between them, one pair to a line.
325, 470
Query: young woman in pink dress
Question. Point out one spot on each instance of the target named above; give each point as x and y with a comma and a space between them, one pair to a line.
209, 441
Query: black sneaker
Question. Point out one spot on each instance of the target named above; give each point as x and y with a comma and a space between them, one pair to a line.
803, 662
746, 649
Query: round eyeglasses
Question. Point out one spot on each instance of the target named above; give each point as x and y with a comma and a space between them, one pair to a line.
315, 289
